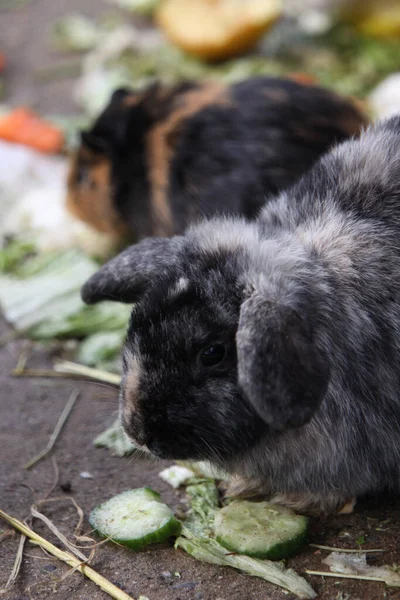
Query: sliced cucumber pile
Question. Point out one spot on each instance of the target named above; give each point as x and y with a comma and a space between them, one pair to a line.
260, 529
135, 518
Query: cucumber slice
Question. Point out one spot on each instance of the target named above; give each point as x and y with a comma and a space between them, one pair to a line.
260, 529
135, 518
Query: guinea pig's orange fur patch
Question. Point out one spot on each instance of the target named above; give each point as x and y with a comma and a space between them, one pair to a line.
132, 100
160, 147
351, 123
91, 200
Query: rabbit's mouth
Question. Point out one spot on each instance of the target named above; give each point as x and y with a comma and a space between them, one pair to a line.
136, 443
147, 446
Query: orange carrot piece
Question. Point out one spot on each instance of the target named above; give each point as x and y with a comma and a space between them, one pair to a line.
22, 126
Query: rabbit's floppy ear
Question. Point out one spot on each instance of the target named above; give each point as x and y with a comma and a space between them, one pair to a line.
280, 371
127, 276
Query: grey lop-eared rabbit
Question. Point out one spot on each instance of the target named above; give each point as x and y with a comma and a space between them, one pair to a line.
273, 348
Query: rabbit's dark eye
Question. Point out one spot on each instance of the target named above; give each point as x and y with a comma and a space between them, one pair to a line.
212, 355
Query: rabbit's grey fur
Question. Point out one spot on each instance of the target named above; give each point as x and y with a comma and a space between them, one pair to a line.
306, 404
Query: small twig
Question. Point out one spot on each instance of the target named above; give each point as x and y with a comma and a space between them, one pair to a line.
38, 515
68, 558
20, 368
34, 557
77, 532
55, 480
77, 369
345, 550
69, 370
16, 566
47, 373
343, 576
60, 424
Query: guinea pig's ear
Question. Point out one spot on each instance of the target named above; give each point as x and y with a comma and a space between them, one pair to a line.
120, 94
280, 371
128, 276
110, 130
93, 142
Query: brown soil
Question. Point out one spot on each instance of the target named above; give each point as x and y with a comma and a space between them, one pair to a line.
29, 409
24, 39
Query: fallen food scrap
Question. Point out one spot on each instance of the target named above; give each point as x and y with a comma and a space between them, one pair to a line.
33, 191
23, 126
86, 475
377, 19
219, 29
210, 551
355, 566
385, 98
176, 475
135, 518
260, 529
74, 33
101, 349
115, 439
42, 299
197, 540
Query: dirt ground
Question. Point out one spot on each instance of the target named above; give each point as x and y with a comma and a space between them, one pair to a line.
29, 409
24, 41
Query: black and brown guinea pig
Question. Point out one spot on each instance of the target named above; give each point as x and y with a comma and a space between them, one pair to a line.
155, 160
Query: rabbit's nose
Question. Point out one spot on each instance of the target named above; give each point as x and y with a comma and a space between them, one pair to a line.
139, 434
136, 432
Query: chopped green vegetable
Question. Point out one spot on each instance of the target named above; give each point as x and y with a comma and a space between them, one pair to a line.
44, 300
115, 439
176, 475
204, 468
135, 518
74, 33
203, 497
260, 529
102, 350
343, 59
14, 254
275, 572
360, 540
196, 541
